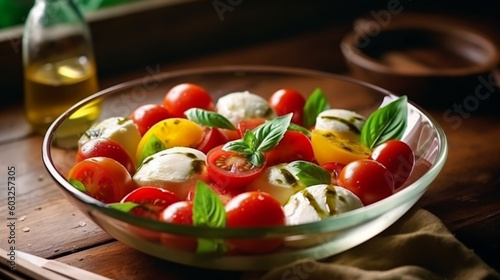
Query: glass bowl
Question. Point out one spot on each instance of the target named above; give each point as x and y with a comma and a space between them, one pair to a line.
316, 240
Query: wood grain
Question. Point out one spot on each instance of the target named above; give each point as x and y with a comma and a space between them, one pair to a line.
465, 195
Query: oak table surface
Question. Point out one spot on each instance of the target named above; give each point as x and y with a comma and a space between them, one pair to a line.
465, 195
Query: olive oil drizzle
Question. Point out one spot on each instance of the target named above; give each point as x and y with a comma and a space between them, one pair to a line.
289, 178
348, 123
330, 195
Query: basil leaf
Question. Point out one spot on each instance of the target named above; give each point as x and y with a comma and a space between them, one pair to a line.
301, 129
239, 146
152, 146
208, 118
309, 173
315, 104
208, 209
386, 123
256, 158
123, 206
77, 184
210, 245
269, 134
262, 139
250, 139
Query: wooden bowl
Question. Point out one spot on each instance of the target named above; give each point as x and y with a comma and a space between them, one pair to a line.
435, 62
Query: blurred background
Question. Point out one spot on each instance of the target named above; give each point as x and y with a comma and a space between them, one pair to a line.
132, 35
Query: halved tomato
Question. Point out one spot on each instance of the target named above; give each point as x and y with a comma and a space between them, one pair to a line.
173, 132
105, 147
230, 169
330, 146
104, 178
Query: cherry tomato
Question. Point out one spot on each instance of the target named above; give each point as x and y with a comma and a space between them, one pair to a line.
367, 179
147, 115
224, 194
212, 137
397, 157
255, 209
293, 146
105, 147
230, 134
185, 96
152, 201
173, 132
230, 169
104, 178
330, 146
334, 168
286, 101
179, 213
248, 124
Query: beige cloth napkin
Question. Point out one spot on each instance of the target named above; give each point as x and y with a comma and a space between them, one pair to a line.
418, 246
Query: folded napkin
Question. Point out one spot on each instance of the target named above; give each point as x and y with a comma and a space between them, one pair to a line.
418, 246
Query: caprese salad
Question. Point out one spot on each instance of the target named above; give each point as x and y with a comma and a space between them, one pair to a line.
243, 161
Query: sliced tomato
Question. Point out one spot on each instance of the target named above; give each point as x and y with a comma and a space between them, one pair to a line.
231, 170
286, 101
105, 147
331, 146
173, 132
255, 209
212, 137
186, 96
293, 146
147, 115
104, 178
248, 124
152, 201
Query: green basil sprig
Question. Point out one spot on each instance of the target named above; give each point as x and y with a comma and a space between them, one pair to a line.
262, 139
208, 118
386, 123
208, 211
315, 104
310, 174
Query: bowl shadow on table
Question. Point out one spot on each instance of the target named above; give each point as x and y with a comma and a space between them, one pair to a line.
437, 64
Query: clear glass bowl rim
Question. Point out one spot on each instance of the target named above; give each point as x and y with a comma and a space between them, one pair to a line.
339, 222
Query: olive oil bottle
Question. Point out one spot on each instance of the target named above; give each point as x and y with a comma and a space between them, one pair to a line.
59, 65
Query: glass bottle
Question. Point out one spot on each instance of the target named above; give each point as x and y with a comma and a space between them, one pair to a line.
59, 65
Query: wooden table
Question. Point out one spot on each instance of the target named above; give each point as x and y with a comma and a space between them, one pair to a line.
465, 195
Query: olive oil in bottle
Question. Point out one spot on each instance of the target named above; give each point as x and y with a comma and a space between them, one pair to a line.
59, 66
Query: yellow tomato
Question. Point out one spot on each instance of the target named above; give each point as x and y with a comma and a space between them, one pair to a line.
168, 133
330, 146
